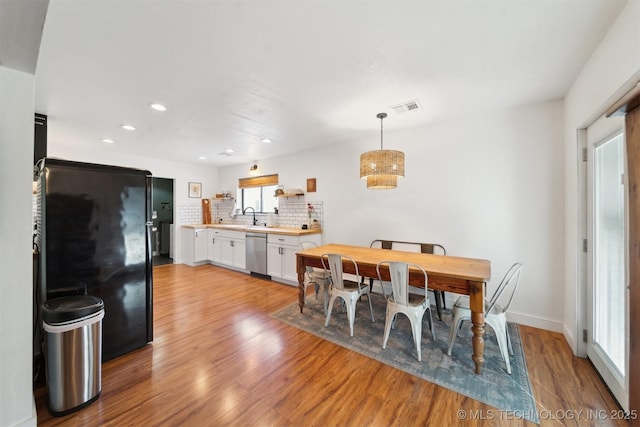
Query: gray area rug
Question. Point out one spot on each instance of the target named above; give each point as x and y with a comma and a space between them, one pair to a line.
494, 386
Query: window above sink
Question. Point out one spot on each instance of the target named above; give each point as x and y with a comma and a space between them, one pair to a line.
261, 199
258, 193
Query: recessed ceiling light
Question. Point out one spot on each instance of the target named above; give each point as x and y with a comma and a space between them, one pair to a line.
128, 127
266, 140
108, 141
202, 158
158, 107
229, 151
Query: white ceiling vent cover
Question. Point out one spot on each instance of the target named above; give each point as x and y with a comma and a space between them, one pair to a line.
405, 107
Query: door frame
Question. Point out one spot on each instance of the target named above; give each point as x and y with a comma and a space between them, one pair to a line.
617, 102
603, 133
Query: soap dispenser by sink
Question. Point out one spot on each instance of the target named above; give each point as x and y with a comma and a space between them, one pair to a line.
271, 220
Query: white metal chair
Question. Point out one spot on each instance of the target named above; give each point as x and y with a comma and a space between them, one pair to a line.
425, 248
350, 291
401, 301
494, 314
317, 277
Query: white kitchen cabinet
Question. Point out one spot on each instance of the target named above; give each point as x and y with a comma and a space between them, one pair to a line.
227, 248
289, 264
214, 245
281, 255
239, 254
232, 248
195, 245
226, 251
274, 260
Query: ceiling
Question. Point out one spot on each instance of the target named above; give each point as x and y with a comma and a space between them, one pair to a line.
21, 25
301, 73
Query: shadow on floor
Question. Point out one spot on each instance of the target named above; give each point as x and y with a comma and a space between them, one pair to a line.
161, 260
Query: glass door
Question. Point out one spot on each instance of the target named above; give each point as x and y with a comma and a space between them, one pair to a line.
607, 258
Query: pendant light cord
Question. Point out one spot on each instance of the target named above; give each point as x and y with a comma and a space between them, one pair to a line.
381, 116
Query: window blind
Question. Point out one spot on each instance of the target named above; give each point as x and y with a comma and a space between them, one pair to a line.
258, 181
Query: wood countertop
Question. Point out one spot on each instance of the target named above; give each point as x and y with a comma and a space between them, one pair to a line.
288, 231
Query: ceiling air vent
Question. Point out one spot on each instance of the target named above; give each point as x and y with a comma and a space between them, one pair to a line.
405, 107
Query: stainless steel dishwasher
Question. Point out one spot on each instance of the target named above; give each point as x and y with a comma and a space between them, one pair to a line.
257, 253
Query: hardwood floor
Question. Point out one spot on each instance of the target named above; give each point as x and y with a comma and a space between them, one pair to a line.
218, 358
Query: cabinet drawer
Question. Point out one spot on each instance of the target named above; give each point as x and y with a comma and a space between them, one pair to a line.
283, 239
230, 234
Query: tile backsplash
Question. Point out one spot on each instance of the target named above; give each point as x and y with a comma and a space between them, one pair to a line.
293, 212
189, 214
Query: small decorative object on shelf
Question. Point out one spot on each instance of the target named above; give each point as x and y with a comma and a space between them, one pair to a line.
309, 211
291, 192
225, 195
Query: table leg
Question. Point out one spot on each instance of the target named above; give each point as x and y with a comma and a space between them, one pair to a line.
477, 318
300, 269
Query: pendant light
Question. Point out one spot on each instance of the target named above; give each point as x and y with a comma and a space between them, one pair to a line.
382, 168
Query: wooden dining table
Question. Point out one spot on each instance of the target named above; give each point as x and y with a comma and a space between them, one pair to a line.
467, 276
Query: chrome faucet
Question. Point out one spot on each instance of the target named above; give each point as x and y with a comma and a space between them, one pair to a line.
255, 221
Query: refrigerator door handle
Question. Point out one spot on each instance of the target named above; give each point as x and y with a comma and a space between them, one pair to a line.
149, 284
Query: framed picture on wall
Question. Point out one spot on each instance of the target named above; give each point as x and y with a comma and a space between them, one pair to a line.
311, 185
195, 189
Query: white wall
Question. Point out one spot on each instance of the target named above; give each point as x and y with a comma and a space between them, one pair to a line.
17, 94
487, 186
614, 65
181, 173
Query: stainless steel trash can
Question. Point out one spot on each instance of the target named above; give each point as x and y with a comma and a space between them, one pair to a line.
73, 351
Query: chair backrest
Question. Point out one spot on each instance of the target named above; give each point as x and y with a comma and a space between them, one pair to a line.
509, 281
333, 264
425, 248
399, 275
307, 245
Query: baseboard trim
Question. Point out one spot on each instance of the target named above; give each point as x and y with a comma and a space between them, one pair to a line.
29, 422
571, 339
535, 322
576, 347
522, 319
284, 281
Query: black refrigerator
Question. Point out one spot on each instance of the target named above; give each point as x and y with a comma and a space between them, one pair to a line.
93, 230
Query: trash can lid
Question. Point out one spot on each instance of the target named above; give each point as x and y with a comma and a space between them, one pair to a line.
64, 309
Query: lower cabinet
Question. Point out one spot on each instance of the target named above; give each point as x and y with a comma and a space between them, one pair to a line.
277, 265
281, 255
227, 247
194, 244
214, 245
234, 253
